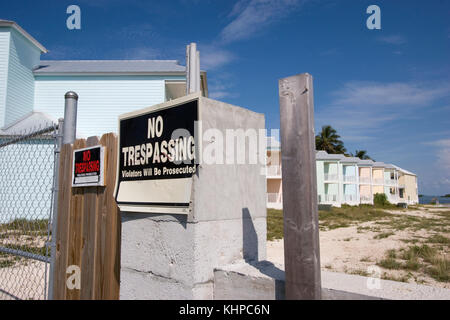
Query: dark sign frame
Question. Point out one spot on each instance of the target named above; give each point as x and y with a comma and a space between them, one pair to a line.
180, 114
88, 169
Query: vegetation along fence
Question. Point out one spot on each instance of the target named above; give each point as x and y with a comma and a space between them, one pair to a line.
27, 180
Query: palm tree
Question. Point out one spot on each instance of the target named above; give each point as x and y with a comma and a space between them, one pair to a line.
328, 140
362, 154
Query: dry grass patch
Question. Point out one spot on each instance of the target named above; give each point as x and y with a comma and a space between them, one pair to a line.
418, 258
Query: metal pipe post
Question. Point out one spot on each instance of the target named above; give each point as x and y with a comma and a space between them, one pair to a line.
54, 217
70, 117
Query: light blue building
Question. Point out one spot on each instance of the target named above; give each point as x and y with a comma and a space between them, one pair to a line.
350, 180
32, 97
106, 88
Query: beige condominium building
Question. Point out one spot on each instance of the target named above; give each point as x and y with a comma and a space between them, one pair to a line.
344, 180
273, 174
407, 186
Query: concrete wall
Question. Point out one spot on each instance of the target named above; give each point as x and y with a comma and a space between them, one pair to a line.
173, 256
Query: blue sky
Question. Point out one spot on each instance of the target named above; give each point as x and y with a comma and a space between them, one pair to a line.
385, 91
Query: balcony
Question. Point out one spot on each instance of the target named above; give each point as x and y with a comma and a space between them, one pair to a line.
377, 181
349, 179
349, 198
365, 180
393, 198
365, 199
390, 182
327, 198
330, 177
273, 171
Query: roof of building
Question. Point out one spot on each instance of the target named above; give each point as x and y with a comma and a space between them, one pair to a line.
30, 123
379, 164
14, 25
323, 155
27, 124
51, 67
351, 159
365, 162
404, 171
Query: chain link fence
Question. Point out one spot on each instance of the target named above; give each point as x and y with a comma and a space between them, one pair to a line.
27, 165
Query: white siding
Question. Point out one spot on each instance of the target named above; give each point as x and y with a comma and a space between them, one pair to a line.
101, 99
4, 55
23, 57
26, 178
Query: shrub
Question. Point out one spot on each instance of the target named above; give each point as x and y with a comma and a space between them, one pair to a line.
380, 200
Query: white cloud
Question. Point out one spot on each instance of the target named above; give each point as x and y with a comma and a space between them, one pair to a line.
251, 16
393, 39
439, 177
389, 94
222, 87
365, 111
142, 31
359, 106
65, 52
442, 154
212, 57
135, 53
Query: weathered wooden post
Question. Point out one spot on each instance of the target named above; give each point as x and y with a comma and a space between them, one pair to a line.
301, 225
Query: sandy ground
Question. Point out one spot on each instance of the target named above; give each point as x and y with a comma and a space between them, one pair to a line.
349, 251
342, 250
25, 281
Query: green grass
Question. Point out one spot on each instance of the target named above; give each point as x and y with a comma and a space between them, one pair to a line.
349, 215
6, 263
438, 238
383, 235
418, 258
274, 224
440, 270
36, 227
30, 249
8, 260
328, 220
422, 256
403, 278
360, 273
389, 263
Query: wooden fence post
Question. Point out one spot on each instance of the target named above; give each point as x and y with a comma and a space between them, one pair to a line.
301, 226
88, 234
